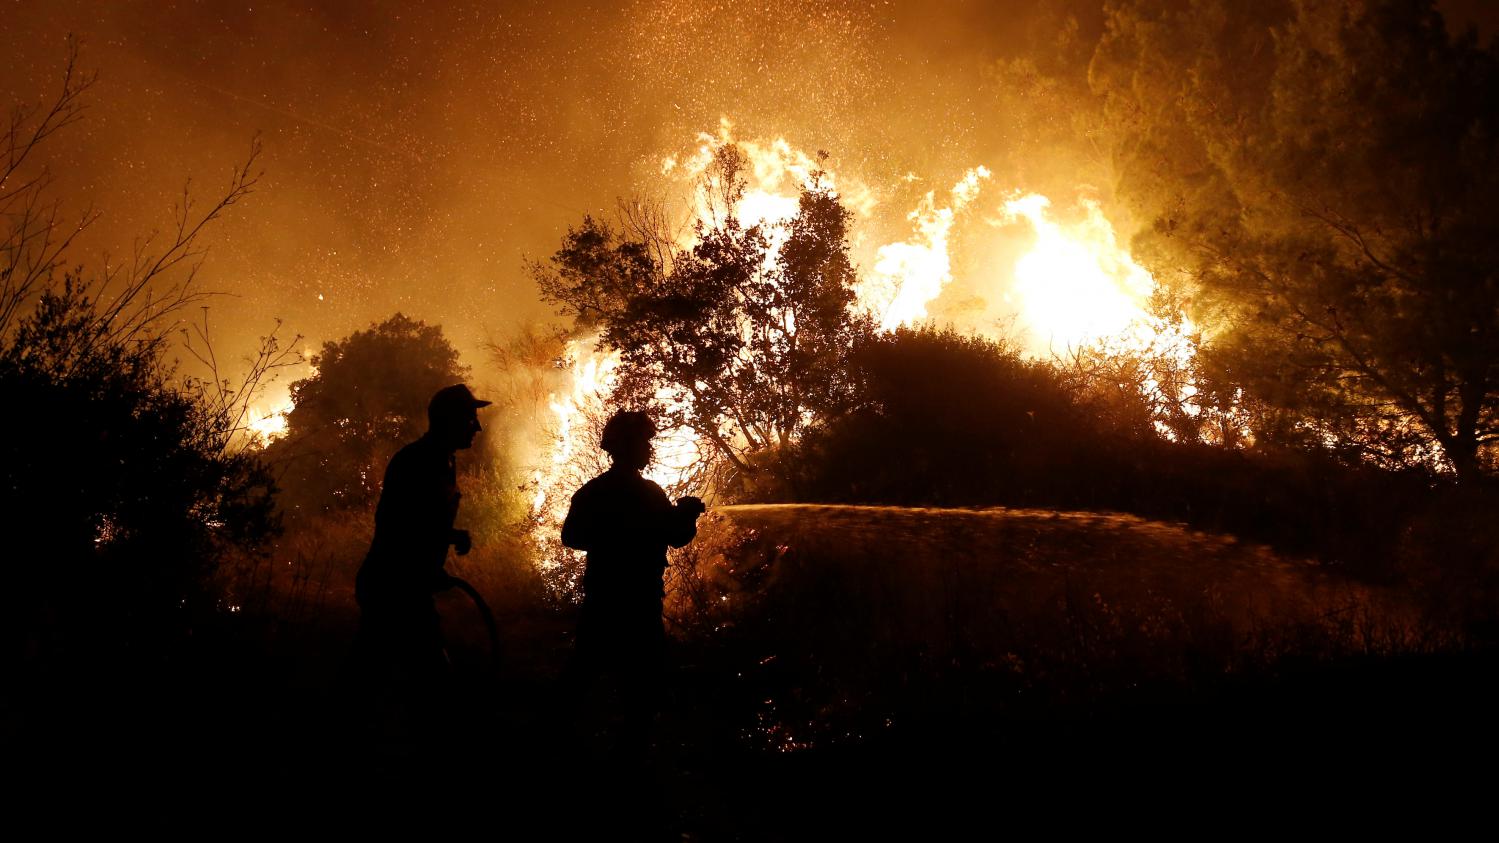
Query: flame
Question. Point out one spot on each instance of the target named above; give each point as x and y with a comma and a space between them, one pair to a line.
775, 176
572, 455
590, 377
909, 275
1075, 285
267, 423
271, 404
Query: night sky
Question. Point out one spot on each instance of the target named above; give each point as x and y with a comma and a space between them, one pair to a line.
416, 154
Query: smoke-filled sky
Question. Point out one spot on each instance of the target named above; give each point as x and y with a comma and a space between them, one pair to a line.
415, 154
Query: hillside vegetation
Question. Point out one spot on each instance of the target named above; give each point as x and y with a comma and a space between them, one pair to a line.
855, 616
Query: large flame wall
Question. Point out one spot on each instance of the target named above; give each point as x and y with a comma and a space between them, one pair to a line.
1072, 285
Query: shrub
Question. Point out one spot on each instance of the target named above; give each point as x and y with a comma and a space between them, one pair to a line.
951, 420
124, 484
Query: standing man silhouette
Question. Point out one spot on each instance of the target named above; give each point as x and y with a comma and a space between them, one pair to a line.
625, 522
400, 635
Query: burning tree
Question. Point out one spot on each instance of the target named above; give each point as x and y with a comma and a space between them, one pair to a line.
741, 335
1325, 173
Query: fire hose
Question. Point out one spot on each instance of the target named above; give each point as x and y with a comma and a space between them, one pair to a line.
484, 613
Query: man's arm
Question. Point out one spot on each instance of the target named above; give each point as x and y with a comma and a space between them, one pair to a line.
681, 521
413, 517
577, 527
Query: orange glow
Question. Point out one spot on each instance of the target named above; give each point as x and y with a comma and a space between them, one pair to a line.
571, 454
1075, 286
909, 275
775, 175
268, 424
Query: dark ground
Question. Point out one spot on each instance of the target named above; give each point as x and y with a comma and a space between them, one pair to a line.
252, 721
263, 737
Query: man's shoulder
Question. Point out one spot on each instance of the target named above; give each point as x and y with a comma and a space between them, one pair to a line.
640, 487
620, 483
603, 483
648, 486
413, 456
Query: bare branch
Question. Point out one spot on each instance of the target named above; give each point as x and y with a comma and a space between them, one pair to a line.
33, 243
67, 108
140, 302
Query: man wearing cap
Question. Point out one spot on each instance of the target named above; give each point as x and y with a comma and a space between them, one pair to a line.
399, 629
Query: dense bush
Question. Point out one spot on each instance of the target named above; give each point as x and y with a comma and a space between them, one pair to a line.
951, 420
123, 485
944, 419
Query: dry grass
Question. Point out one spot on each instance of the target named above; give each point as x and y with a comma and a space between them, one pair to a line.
813, 624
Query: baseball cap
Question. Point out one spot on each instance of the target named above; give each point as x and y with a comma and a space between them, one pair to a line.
453, 399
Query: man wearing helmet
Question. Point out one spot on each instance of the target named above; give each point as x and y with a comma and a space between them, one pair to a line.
625, 523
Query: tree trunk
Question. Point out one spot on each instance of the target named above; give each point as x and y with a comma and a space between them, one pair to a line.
1462, 452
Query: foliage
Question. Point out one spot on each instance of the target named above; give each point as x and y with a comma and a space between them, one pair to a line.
745, 335
129, 484
523, 373
950, 420
1324, 173
124, 482
35, 236
367, 397
844, 619
1162, 386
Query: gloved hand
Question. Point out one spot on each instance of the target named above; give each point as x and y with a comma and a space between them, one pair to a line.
692, 504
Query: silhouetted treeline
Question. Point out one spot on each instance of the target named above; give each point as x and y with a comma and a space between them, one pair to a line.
951, 420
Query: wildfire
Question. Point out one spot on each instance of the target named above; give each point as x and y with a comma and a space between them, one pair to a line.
268, 423
578, 413
909, 275
592, 377
1075, 285
266, 415
1072, 286
777, 172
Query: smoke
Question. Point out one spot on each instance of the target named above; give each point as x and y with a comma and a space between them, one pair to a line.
415, 155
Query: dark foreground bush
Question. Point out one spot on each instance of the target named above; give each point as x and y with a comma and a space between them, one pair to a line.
119, 490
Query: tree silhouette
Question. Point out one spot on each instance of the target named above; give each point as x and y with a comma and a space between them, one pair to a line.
133, 482
750, 325
126, 481
367, 397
